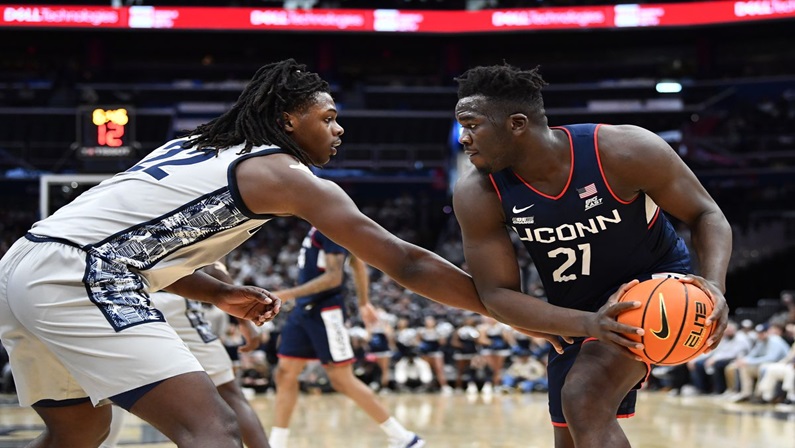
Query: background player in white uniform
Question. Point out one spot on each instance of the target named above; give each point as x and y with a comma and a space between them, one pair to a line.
433, 338
381, 345
464, 341
496, 340
75, 313
187, 318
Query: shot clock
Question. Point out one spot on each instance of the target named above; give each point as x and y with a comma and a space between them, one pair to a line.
106, 131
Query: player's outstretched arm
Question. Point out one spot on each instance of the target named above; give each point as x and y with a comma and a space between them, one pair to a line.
491, 258
281, 186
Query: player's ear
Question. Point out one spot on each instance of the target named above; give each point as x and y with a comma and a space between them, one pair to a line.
519, 122
287, 122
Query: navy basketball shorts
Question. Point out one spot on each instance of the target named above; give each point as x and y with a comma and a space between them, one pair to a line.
431, 349
379, 346
557, 370
317, 332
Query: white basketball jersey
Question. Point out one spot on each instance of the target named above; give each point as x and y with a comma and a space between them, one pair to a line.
175, 211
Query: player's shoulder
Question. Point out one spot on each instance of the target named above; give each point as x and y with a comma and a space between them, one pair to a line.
475, 197
471, 181
279, 184
275, 169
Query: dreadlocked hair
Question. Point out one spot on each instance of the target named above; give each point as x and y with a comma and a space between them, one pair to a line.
508, 85
256, 118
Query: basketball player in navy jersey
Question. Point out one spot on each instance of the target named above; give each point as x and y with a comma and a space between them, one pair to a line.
75, 313
587, 202
315, 329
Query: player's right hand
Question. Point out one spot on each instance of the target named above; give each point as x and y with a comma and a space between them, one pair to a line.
606, 328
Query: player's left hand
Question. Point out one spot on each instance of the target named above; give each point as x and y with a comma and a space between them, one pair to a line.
250, 302
720, 314
553, 339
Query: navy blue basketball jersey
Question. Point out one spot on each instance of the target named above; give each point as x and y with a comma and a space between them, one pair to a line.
312, 263
586, 242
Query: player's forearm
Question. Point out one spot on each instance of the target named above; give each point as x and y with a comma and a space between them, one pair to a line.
529, 313
425, 273
199, 286
712, 240
361, 281
434, 277
316, 285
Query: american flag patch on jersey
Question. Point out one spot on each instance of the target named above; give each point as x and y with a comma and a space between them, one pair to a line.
588, 190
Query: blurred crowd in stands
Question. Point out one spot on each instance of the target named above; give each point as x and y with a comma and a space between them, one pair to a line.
754, 132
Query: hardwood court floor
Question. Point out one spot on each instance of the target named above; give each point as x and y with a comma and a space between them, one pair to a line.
461, 421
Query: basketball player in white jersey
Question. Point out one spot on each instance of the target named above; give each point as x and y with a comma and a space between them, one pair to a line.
187, 318
75, 312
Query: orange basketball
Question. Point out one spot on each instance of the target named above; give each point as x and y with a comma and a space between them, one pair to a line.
673, 315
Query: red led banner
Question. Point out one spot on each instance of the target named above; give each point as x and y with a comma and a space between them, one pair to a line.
393, 20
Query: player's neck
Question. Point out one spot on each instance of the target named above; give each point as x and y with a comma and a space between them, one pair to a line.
546, 160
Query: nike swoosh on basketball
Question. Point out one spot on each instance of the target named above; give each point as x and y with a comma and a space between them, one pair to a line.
520, 210
663, 332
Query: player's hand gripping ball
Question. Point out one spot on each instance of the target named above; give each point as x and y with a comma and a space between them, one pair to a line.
672, 315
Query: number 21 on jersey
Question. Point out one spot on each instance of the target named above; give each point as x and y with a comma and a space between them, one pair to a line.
570, 257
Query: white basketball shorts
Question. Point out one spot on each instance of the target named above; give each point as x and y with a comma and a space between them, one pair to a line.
72, 332
187, 319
